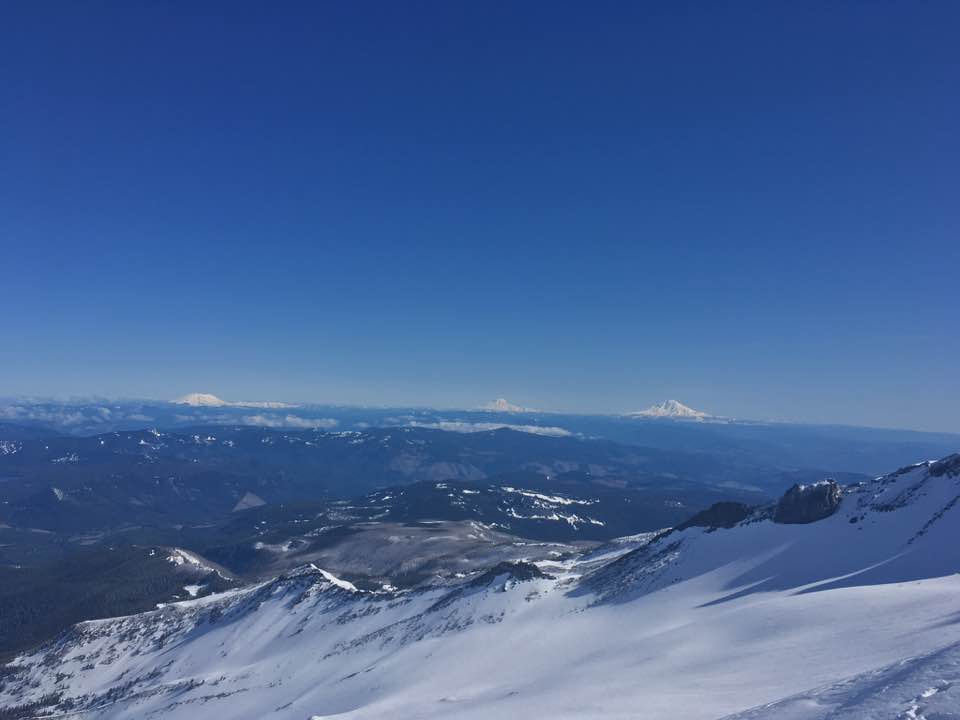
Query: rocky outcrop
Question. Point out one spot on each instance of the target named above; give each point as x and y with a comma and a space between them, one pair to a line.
519, 571
808, 503
718, 515
949, 466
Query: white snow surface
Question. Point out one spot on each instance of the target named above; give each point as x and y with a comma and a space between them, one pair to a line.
922, 687
854, 616
671, 409
504, 405
553, 499
185, 558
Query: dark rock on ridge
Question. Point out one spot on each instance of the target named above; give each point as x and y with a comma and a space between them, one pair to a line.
808, 503
718, 515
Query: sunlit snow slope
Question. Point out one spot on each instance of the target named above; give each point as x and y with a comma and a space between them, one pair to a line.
762, 620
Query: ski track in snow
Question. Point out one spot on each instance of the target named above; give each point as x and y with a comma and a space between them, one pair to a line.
926, 686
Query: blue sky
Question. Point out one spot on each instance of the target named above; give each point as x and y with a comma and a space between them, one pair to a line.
752, 207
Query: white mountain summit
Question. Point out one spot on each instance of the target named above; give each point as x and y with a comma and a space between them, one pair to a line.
201, 400
503, 405
210, 400
673, 409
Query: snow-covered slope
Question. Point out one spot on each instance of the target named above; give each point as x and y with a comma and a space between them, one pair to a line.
201, 400
765, 619
894, 529
505, 406
926, 687
672, 409
208, 400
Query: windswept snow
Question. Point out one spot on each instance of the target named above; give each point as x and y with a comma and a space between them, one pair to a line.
925, 686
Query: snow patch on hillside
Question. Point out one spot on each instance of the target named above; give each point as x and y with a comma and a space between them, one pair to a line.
185, 558
552, 499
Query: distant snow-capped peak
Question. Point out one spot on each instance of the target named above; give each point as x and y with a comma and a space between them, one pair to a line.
672, 409
201, 400
210, 400
502, 405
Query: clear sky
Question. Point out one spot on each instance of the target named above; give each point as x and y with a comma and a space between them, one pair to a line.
751, 207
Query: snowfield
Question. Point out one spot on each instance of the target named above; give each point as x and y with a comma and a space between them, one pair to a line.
853, 616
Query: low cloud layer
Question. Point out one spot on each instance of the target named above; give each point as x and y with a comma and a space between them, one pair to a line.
470, 427
95, 418
207, 400
65, 416
286, 421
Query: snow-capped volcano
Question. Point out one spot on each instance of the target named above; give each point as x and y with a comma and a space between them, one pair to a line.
673, 409
201, 400
208, 400
835, 602
503, 405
